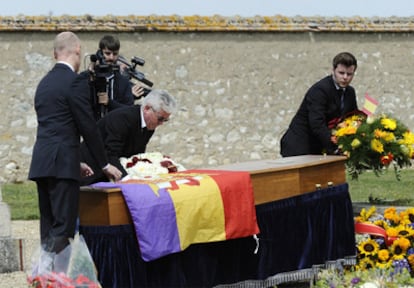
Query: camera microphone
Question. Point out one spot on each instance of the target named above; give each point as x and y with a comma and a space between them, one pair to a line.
123, 61
138, 61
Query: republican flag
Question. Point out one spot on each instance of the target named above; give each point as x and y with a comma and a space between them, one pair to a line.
370, 105
193, 206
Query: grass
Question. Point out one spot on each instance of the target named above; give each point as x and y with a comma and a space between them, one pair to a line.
22, 198
384, 189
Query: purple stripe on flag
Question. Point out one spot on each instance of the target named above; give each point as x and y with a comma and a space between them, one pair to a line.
154, 219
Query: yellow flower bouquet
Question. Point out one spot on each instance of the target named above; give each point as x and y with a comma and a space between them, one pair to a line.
374, 143
385, 240
385, 252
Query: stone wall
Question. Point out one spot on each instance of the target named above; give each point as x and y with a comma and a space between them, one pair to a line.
237, 91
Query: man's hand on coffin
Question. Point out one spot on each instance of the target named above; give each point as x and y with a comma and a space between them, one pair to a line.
85, 170
112, 172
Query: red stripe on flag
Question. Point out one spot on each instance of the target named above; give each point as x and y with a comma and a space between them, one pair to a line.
370, 99
370, 105
238, 202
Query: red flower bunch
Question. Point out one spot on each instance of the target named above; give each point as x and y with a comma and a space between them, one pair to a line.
169, 165
60, 280
135, 160
387, 159
165, 163
374, 143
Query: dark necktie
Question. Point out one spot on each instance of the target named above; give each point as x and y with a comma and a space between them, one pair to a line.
342, 101
145, 132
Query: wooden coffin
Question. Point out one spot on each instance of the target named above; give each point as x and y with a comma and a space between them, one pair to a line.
271, 179
290, 176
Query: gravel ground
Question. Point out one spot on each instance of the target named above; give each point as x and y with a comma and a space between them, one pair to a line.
29, 232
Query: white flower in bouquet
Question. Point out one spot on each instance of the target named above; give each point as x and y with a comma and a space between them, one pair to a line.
149, 165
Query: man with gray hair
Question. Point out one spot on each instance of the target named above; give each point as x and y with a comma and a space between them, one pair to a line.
126, 131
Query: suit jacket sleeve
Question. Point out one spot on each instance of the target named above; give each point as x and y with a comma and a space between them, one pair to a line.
119, 126
319, 100
123, 134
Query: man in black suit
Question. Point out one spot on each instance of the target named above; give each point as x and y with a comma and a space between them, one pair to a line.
127, 131
325, 102
63, 116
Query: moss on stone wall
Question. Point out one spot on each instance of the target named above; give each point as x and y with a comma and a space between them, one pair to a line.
214, 23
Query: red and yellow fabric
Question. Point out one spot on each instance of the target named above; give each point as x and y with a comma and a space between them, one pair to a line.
374, 230
193, 206
370, 105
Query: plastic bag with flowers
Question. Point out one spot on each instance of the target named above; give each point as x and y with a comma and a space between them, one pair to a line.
374, 143
72, 267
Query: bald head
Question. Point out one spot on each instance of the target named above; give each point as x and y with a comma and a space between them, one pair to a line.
67, 48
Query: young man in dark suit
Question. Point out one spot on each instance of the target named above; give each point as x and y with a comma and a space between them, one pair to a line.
127, 131
63, 116
327, 100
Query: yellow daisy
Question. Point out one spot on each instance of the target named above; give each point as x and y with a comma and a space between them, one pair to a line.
364, 264
391, 231
377, 146
368, 247
383, 255
408, 138
392, 215
410, 260
399, 248
364, 215
408, 215
405, 231
389, 124
388, 137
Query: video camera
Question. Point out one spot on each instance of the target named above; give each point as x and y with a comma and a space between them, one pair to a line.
131, 71
102, 71
101, 75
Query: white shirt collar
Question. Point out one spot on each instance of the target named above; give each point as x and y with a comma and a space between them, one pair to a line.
336, 84
143, 124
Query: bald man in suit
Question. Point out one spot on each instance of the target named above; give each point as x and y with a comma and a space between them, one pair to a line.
63, 117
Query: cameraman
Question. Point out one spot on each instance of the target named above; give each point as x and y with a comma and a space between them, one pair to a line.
118, 92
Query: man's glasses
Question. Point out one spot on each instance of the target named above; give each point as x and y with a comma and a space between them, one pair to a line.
159, 118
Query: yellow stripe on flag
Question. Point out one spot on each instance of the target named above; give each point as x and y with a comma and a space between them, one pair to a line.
199, 212
370, 105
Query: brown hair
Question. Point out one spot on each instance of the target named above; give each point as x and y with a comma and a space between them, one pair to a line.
344, 58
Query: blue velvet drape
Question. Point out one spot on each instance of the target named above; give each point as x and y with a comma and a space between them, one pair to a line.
295, 233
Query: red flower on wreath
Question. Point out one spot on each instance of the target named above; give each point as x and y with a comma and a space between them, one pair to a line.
135, 160
387, 159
